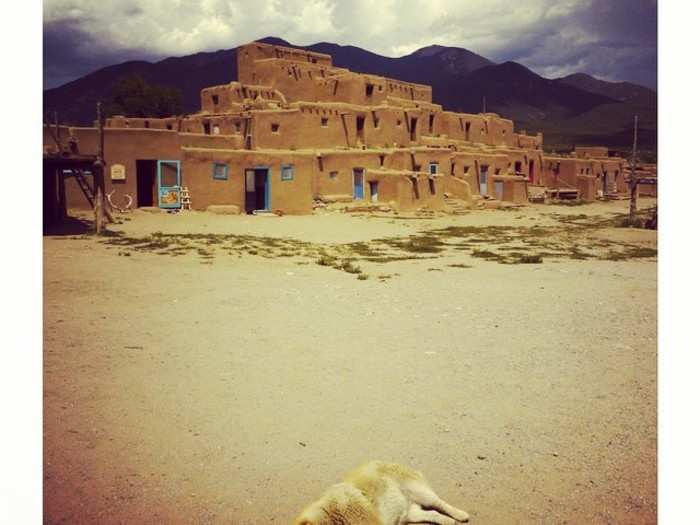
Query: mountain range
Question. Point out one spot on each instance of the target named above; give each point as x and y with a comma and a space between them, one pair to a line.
575, 109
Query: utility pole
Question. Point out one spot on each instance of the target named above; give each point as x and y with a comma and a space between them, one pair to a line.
483, 104
633, 176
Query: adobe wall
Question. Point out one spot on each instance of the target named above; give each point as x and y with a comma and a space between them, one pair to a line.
309, 82
248, 54
230, 97
590, 151
334, 179
121, 122
289, 196
122, 146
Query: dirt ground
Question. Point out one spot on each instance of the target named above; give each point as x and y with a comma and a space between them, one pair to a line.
203, 368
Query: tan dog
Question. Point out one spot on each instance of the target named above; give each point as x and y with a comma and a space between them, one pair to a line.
380, 493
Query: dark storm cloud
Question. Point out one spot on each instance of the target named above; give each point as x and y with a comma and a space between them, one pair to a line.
71, 52
611, 40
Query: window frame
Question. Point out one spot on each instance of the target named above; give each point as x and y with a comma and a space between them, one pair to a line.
215, 165
289, 169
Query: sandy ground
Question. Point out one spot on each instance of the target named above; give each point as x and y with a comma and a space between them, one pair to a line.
234, 387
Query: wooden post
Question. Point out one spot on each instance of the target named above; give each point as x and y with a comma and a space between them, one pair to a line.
633, 176
99, 179
58, 130
62, 205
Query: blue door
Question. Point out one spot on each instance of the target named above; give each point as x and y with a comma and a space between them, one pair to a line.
169, 184
358, 176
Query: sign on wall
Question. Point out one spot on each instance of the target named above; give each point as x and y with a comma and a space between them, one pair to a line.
118, 172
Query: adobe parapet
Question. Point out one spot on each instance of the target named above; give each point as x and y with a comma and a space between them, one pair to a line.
248, 54
308, 76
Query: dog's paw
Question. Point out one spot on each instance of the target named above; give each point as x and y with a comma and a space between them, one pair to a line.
461, 516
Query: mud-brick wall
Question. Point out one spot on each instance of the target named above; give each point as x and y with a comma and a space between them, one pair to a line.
586, 185
123, 146
334, 172
248, 54
228, 97
408, 200
386, 127
289, 196
500, 132
303, 127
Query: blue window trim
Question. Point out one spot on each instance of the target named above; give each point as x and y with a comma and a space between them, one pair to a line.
290, 175
219, 177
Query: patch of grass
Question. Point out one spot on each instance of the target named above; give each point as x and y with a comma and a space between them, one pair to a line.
417, 244
489, 255
630, 252
395, 258
524, 258
326, 260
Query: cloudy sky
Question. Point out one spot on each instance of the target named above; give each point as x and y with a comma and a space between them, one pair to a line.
610, 39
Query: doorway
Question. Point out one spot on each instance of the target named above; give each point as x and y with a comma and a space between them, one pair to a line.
257, 190
358, 182
168, 184
374, 191
361, 129
531, 172
145, 183
412, 129
483, 179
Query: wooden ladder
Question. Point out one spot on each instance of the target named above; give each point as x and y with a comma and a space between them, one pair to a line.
84, 186
185, 199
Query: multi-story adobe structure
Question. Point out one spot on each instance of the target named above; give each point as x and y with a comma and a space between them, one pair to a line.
589, 172
294, 129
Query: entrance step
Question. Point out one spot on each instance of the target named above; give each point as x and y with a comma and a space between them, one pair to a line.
457, 206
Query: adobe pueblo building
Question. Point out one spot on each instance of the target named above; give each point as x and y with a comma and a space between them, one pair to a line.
296, 132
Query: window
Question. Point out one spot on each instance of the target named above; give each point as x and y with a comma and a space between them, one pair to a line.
466, 170
287, 172
216, 129
220, 171
207, 130
169, 126
333, 175
215, 99
433, 168
369, 89
146, 124
324, 122
275, 127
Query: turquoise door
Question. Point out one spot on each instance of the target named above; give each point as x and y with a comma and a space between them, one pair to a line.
169, 184
358, 176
